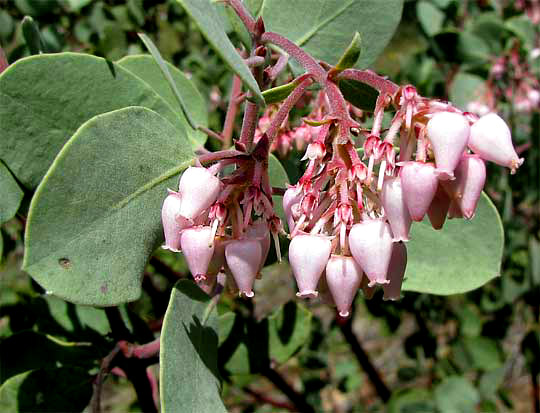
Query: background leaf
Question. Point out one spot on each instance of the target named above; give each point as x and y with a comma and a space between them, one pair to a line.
324, 28
39, 117
460, 257
64, 389
209, 22
430, 17
467, 88
12, 194
189, 381
456, 395
95, 218
278, 178
147, 69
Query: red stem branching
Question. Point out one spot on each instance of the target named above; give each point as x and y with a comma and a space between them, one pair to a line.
369, 78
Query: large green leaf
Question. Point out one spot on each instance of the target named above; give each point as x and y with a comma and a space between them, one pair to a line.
148, 70
210, 24
12, 194
278, 178
95, 218
324, 28
45, 98
64, 389
189, 380
460, 257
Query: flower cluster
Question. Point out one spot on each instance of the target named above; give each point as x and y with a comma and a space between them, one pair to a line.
349, 216
351, 212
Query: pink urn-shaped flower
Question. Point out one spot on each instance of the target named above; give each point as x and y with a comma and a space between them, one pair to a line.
198, 189
371, 246
448, 133
393, 201
243, 258
491, 140
343, 277
198, 250
308, 255
259, 232
466, 189
291, 197
396, 271
419, 183
172, 227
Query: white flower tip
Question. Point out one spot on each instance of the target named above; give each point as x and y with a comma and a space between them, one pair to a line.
166, 247
516, 163
400, 239
307, 294
391, 298
344, 314
381, 281
444, 175
248, 294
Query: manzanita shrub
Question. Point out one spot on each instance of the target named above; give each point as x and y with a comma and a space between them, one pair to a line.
389, 193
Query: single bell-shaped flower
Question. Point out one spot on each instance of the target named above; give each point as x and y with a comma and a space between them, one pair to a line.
370, 242
492, 141
396, 271
438, 209
419, 183
396, 210
198, 250
448, 133
171, 227
343, 276
308, 255
198, 189
466, 189
259, 232
243, 258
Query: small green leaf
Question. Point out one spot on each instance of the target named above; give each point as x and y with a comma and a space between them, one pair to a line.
456, 395
411, 401
351, 55
460, 257
12, 195
359, 94
279, 93
146, 68
467, 88
64, 389
278, 178
206, 17
430, 17
95, 219
324, 28
38, 117
31, 35
189, 380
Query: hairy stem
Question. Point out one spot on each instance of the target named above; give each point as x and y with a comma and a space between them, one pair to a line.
369, 78
244, 14
249, 124
232, 109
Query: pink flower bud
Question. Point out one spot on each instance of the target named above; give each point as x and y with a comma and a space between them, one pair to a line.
197, 250
243, 258
292, 197
419, 183
371, 245
171, 227
343, 276
466, 189
198, 189
448, 133
393, 201
308, 255
259, 232
439, 208
396, 271
491, 140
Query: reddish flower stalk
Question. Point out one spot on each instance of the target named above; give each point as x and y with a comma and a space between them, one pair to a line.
369, 78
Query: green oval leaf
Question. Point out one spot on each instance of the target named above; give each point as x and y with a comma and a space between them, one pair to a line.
430, 17
12, 195
359, 94
467, 88
188, 376
460, 257
324, 28
44, 99
144, 67
456, 394
209, 22
64, 389
95, 218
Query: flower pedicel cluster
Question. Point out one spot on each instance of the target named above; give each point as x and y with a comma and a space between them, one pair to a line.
351, 211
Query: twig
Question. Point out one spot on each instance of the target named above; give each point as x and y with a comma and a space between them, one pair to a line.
105, 368
299, 401
369, 78
232, 109
265, 399
380, 387
210, 133
249, 124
